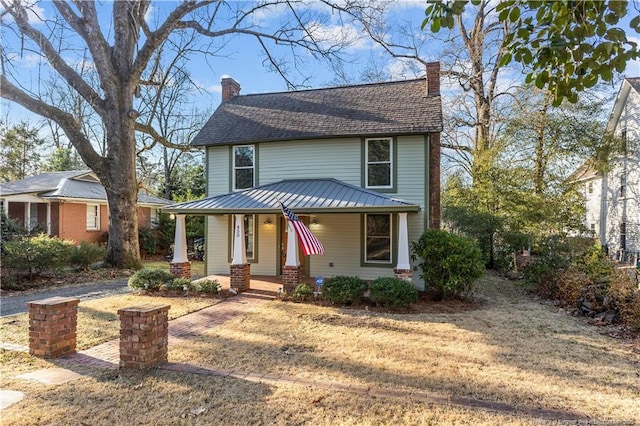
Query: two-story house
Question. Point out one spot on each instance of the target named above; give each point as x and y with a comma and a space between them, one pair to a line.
620, 202
360, 165
612, 197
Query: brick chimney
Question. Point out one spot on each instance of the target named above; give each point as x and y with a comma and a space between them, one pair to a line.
230, 88
433, 79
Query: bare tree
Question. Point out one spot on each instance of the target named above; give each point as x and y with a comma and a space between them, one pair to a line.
120, 54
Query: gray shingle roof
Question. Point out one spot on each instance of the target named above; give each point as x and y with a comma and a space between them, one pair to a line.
363, 110
635, 83
299, 195
71, 185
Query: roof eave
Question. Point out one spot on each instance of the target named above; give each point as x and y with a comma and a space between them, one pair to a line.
376, 209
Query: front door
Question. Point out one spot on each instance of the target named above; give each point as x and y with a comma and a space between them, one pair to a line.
283, 246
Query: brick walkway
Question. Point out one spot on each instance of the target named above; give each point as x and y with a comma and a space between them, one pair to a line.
107, 355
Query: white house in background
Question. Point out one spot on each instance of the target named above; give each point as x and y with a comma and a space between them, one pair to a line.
360, 165
613, 197
620, 208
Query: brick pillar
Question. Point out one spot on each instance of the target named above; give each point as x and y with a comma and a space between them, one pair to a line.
291, 277
144, 335
403, 274
180, 269
52, 326
240, 276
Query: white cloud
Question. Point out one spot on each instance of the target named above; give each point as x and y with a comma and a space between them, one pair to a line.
208, 86
30, 60
35, 12
404, 69
347, 35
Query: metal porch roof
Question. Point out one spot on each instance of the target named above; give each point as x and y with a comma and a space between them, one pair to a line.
299, 195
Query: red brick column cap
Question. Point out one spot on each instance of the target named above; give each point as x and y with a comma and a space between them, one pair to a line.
143, 309
56, 301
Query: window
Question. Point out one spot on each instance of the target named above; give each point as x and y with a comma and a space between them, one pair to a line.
379, 169
377, 238
623, 185
155, 218
623, 236
243, 167
249, 236
590, 187
93, 217
593, 228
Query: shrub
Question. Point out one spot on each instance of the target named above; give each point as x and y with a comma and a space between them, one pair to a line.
86, 253
624, 290
180, 284
36, 254
596, 265
148, 241
450, 263
208, 286
343, 289
302, 292
393, 292
151, 279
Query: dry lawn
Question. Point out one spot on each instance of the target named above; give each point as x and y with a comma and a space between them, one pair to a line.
98, 320
509, 349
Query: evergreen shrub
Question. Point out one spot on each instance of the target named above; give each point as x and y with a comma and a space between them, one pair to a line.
392, 292
344, 289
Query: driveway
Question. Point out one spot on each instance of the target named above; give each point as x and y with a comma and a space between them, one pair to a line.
16, 304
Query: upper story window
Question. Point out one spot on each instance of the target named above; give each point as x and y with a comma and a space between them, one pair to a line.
379, 167
93, 217
623, 185
590, 187
377, 238
243, 167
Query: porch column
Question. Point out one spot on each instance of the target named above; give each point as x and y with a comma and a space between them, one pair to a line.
403, 268
240, 269
27, 216
180, 265
48, 218
292, 273
5, 207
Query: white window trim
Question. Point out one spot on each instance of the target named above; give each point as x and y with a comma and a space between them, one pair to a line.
379, 262
96, 225
367, 162
234, 168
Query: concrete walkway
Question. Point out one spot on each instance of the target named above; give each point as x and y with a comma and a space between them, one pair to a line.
106, 356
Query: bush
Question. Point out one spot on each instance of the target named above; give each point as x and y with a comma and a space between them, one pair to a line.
151, 279
208, 286
148, 241
86, 253
36, 254
450, 263
393, 292
596, 265
343, 289
180, 284
302, 292
624, 290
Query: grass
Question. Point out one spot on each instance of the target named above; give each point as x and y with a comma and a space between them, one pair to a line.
510, 348
98, 319
197, 266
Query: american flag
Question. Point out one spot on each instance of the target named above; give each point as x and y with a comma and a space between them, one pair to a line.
310, 244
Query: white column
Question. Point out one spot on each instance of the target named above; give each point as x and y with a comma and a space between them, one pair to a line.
180, 241
403, 243
239, 251
5, 206
27, 216
292, 246
48, 218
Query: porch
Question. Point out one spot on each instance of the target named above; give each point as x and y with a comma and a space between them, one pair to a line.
257, 283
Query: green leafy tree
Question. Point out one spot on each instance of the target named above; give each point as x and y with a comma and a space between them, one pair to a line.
19, 151
566, 46
62, 159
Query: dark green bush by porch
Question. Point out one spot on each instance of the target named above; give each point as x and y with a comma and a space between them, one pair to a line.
151, 279
450, 263
344, 289
392, 292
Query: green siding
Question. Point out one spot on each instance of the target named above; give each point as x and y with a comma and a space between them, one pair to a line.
218, 170
217, 241
336, 158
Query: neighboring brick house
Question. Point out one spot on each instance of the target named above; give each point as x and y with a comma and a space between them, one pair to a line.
71, 205
360, 165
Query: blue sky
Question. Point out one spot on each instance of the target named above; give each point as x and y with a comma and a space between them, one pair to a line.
242, 59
